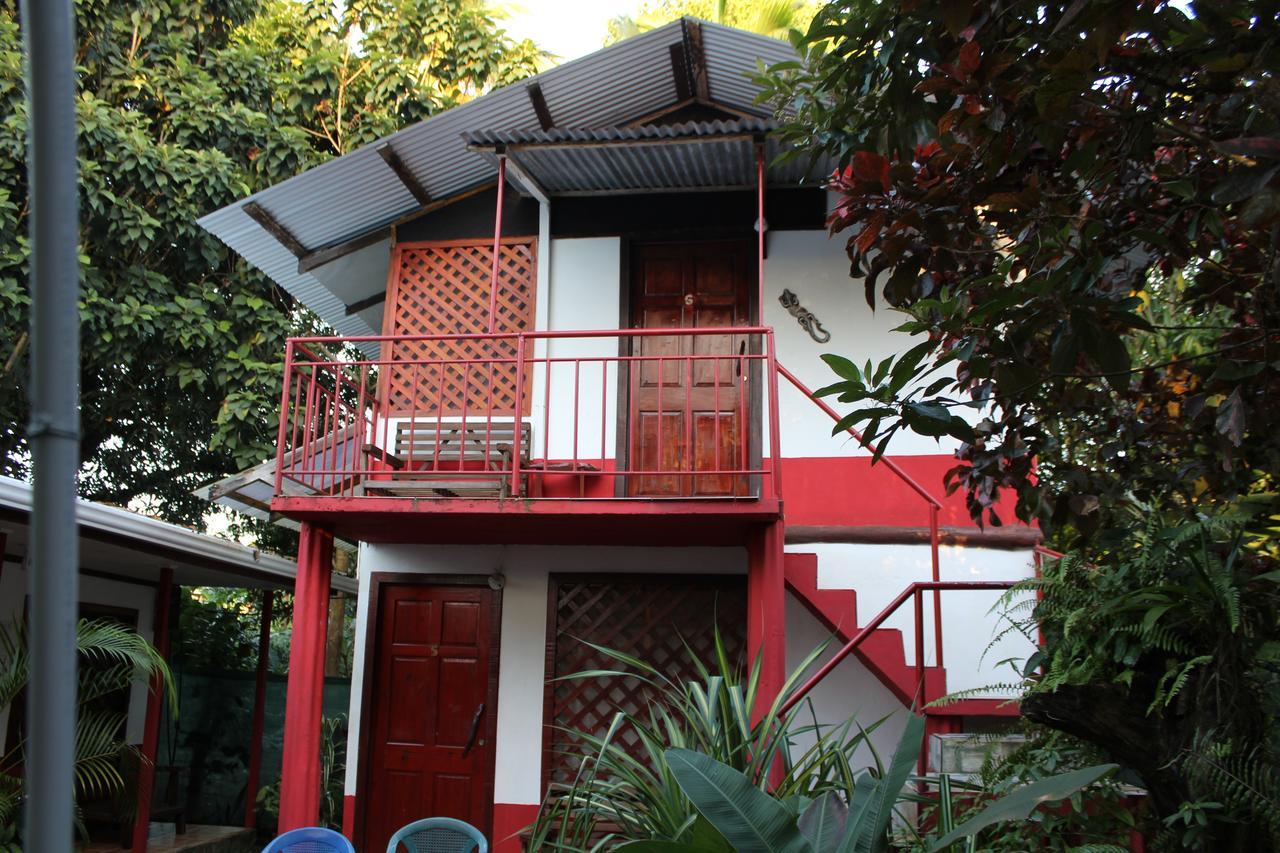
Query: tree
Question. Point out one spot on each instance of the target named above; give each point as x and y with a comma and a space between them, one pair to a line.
768, 17
185, 107
1076, 207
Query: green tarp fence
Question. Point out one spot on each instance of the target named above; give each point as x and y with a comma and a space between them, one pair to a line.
210, 739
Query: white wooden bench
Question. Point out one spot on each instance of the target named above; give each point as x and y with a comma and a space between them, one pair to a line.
452, 446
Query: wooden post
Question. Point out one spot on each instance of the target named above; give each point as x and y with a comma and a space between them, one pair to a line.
151, 726
259, 710
304, 695
337, 619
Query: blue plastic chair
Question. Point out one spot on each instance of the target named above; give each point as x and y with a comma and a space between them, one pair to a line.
310, 839
438, 835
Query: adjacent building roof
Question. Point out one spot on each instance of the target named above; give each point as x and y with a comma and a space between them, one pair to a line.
285, 229
128, 545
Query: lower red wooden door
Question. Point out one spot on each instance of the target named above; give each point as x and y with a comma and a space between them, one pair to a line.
431, 706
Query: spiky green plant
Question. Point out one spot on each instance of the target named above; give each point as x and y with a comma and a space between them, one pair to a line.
640, 797
117, 656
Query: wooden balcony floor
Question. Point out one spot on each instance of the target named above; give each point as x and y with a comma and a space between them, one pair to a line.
542, 521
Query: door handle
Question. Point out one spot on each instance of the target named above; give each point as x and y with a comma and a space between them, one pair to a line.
742, 350
475, 730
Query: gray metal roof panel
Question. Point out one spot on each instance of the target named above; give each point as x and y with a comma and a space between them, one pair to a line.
356, 193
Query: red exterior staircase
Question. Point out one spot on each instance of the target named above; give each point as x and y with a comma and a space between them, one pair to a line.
883, 653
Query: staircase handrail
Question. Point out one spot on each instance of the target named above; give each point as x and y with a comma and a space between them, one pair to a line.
934, 503
861, 439
913, 589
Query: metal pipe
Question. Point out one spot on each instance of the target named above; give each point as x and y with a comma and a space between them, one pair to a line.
937, 593
53, 436
497, 245
760, 231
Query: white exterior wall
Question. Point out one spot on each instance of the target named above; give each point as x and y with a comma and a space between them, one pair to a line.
522, 648
93, 590
580, 288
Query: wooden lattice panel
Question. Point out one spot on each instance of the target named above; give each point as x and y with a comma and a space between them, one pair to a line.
650, 617
443, 289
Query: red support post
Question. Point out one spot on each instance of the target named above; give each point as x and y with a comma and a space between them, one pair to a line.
151, 725
497, 245
259, 711
766, 613
937, 593
300, 784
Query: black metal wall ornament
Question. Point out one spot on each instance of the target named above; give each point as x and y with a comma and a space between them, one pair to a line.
804, 317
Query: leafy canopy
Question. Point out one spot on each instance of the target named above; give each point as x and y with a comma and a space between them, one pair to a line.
1075, 206
185, 107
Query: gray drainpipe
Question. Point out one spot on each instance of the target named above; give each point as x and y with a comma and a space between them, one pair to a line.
48, 28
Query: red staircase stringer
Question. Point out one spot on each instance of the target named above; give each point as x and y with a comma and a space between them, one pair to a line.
882, 653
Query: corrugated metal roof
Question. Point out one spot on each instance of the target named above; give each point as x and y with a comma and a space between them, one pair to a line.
357, 193
691, 155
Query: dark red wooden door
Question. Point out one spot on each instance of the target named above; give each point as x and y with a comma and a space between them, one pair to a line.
689, 415
431, 741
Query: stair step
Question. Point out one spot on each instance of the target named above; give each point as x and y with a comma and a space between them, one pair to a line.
882, 652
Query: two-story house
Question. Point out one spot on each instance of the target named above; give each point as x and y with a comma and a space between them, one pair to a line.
578, 320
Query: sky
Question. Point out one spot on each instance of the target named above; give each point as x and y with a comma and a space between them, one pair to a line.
567, 28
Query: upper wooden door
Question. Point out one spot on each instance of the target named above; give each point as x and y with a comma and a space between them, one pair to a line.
689, 415
430, 745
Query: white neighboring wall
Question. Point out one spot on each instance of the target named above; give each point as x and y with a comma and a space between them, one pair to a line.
93, 590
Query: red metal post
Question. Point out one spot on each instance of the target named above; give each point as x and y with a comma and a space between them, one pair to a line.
775, 428
760, 230
151, 726
497, 245
300, 784
937, 593
766, 613
519, 413
259, 711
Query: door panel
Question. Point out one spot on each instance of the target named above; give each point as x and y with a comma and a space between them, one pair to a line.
686, 285
431, 683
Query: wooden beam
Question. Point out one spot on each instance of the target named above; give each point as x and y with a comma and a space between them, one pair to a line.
417, 190
680, 72
522, 177
540, 106
368, 302
697, 60
259, 214
330, 253
1007, 538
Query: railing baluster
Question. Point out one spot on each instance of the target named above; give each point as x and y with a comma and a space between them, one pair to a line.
577, 365
519, 415
690, 484
286, 378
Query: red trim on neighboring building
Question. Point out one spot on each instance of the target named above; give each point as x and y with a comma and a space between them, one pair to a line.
509, 820
300, 783
151, 726
349, 817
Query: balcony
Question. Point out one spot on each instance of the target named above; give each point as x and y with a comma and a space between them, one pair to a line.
585, 435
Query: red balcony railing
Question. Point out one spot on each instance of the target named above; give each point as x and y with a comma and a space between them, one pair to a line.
643, 413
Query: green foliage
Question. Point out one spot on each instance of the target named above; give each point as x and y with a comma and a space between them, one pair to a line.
112, 658
712, 716
1074, 205
768, 17
185, 107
